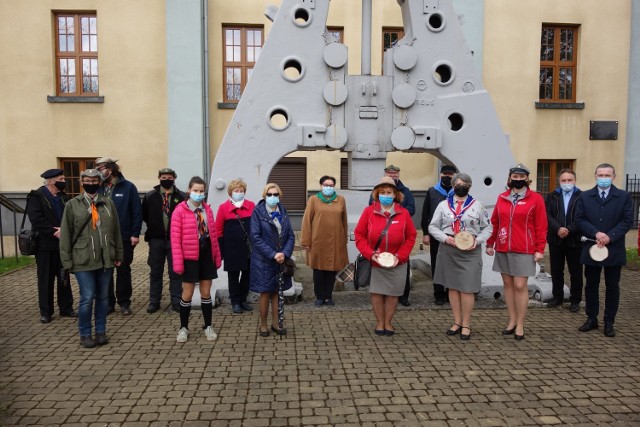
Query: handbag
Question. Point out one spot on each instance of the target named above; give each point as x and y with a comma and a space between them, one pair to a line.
246, 237
362, 275
27, 239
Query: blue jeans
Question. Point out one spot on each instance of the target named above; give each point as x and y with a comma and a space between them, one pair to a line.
93, 286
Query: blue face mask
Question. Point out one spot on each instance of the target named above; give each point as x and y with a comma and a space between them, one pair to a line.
196, 197
567, 187
237, 196
272, 200
328, 191
386, 200
604, 182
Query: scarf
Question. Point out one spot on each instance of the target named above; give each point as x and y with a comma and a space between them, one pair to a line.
458, 224
440, 189
324, 199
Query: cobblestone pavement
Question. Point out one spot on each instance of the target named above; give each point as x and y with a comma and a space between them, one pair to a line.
330, 369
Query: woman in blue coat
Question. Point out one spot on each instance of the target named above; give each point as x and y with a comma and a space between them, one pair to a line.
272, 240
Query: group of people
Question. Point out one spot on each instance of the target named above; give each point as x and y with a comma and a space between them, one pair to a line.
97, 231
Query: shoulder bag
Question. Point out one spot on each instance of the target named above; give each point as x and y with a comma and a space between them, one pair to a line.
27, 239
362, 275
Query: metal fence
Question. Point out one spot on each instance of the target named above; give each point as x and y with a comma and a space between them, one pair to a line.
633, 187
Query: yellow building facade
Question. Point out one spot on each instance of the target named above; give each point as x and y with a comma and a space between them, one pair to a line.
148, 110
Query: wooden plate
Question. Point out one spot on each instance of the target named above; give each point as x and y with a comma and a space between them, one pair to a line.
598, 253
463, 240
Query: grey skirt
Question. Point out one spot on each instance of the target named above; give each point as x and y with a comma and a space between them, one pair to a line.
514, 264
459, 270
388, 281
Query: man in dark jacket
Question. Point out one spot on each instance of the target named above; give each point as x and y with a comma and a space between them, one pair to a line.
563, 237
434, 196
604, 214
409, 203
45, 207
127, 200
157, 207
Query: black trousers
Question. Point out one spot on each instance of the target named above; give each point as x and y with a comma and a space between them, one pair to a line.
48, 271
612, 292
159, 251
407, 283
123, 289
439, 291
323, 282
557, 256
238, 286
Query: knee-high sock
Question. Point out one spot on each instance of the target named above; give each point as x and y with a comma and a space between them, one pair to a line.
185, 311
207, 308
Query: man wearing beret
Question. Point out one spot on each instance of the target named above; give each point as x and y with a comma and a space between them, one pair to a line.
157, 207
45, 207
434, 196
127, 200
409, 203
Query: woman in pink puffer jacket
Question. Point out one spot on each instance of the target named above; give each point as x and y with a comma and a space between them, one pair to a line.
196, 255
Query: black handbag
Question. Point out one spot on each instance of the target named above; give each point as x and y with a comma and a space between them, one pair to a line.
363, 266
27, 239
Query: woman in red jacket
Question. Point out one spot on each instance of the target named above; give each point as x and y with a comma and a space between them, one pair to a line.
387, 283
519, 223
196, 256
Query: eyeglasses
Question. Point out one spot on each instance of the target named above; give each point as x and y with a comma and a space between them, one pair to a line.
273, 194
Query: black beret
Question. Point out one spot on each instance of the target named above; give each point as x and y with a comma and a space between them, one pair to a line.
448, 169
52, 173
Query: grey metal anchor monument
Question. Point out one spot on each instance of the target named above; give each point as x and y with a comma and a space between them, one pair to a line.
430, 99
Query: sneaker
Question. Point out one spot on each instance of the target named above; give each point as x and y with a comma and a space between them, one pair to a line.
246, 306
87, 341
236, 309
126, 310
210, 333
329, 302
575, 307
319, 302
153, 308
183, 335
102, 339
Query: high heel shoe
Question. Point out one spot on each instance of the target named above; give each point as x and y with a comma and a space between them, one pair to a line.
465, 337
508, 331
519, 337
451, 332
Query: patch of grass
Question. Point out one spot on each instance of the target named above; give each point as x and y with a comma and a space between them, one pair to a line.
10, 264
633, 260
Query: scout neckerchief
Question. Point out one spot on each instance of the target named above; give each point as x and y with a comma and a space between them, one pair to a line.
324, 199
458, 224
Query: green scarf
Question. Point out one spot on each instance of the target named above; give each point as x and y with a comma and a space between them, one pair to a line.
324, 199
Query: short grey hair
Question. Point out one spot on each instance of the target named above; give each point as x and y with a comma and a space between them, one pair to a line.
462, 177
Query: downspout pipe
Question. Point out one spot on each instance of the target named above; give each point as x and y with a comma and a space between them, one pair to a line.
365, 64
206, 131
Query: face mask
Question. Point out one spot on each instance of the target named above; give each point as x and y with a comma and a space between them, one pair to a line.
272, 200
60, 185
237, 196
518, 183
328, 191
604, 182
461, 190
386, 200
445, 181
166, 183
91, 188
196, 197
567, 187
106, 173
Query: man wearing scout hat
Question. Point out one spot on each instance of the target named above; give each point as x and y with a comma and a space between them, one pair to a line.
45, 207
127, 200
157, 207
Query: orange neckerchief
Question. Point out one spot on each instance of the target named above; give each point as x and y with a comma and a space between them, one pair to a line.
94, 215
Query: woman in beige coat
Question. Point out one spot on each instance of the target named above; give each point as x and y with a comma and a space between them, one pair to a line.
324, 236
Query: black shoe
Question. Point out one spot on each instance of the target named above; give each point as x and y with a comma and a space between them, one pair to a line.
329, 302
574, 307
126, 310
246, 306
71, 313
451, 332
404, 301
439, 301
45, 319
465, 337
518, 337
509, 331
282, 331
87, 341
175, 308
263, 333
389, 332
153, 308
554, 303
102, 339
380, 332
236, 309
609, 331
589, 325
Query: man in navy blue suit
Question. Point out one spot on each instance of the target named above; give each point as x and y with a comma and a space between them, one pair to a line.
604, 214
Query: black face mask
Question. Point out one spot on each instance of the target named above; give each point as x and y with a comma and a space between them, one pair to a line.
60, 185
461, 190
166, 183
518, 183
91, 188
445, 181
